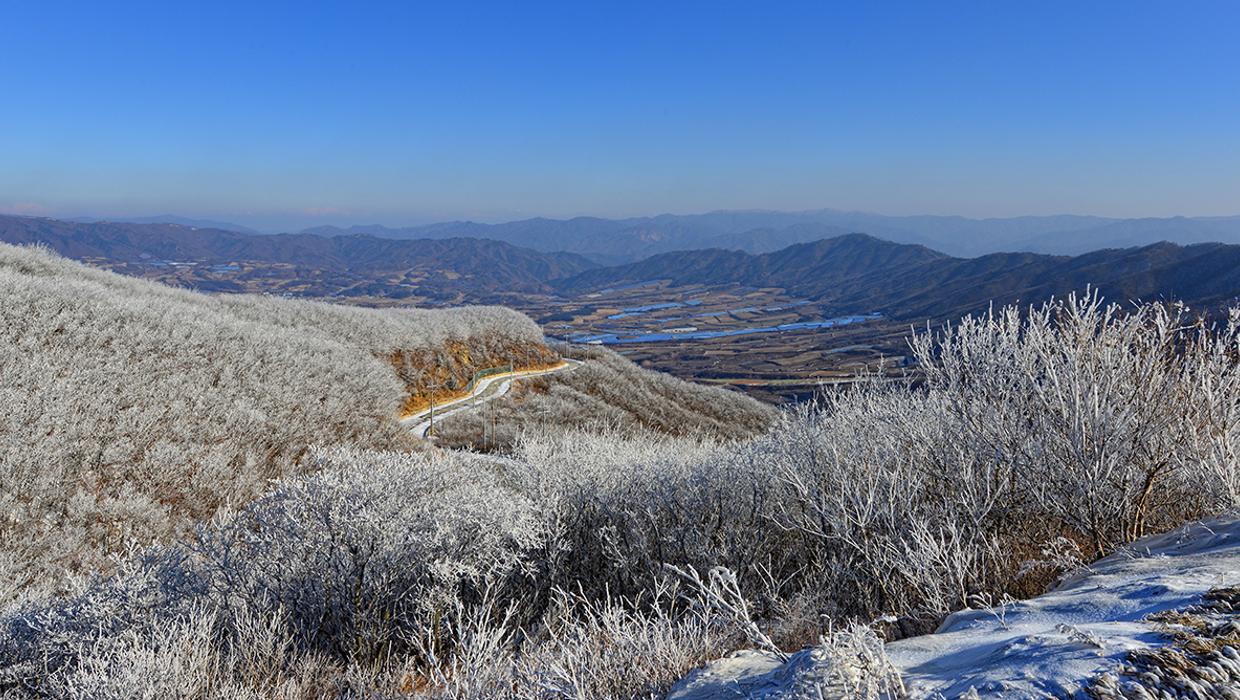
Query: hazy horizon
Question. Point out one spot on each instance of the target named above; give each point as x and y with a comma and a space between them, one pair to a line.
285, 116
261, 225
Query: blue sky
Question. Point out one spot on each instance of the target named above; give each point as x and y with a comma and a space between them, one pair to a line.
284, 115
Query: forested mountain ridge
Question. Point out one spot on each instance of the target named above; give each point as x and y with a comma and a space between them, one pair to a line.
618, 241
801, 265
857, 273
471, 265
847, 273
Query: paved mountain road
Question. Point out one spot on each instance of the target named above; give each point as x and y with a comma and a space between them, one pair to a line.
487, 389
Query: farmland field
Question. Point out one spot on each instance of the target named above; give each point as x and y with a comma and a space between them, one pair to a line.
763, 341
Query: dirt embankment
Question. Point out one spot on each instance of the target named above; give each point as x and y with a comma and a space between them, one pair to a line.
444, 374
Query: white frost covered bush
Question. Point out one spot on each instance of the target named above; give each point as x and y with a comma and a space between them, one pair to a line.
1072, 419
129, 410
351, 563
623, 504
355, 555
1115, 421
849, 663
389, 571
566, 567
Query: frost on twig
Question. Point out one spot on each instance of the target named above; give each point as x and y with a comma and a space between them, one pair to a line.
720, 592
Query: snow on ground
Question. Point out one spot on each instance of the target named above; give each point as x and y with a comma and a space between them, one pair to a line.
1049, 646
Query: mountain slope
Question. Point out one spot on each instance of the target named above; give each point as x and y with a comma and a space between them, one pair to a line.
171, 219
617, 241
441, 265
1126, 233
858, 273
129, 410
804, 264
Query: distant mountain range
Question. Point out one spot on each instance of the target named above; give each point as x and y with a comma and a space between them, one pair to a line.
467, 265
860, 273
849, 273
171, 219
613, 241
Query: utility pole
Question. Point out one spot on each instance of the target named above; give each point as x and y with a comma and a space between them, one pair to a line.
433, 384
431, 428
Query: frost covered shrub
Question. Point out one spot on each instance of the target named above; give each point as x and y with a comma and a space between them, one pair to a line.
623, 504
383, 572
898, 504
861, 505
1115, 422
544, 573
608, 648
129, 410
848, 663
1074, 418
359, 553
351, 564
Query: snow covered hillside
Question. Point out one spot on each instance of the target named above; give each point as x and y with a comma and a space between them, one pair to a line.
312, 548
1095, 629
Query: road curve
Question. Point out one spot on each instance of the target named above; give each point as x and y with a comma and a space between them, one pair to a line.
419, 423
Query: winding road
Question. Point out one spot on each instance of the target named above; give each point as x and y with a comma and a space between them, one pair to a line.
487, 389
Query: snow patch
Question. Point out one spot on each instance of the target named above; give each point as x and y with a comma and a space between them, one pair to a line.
1049, 646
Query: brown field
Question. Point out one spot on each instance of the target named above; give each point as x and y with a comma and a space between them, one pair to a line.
776, 366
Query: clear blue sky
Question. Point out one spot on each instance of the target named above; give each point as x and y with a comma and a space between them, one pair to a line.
403, 112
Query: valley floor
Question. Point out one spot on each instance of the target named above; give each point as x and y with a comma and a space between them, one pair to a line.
767, 342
